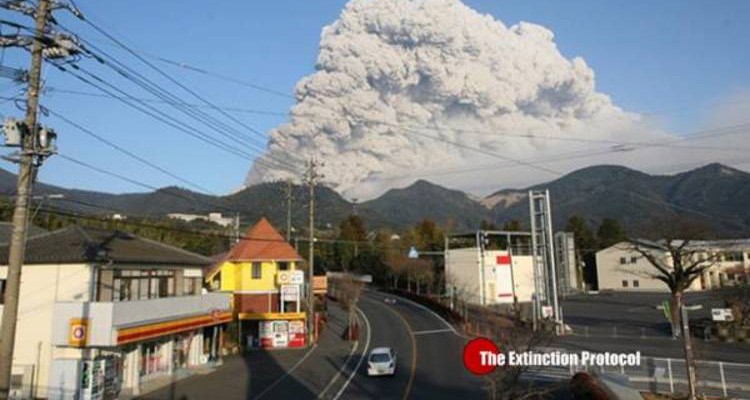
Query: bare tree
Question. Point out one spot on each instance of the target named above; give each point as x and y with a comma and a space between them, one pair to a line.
678, 260
348, 292
509, 382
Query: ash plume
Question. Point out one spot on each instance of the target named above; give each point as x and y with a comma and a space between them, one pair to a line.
399, 83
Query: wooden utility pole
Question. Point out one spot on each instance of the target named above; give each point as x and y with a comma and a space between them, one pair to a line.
687, 341
20, 214
311, 180
288, 210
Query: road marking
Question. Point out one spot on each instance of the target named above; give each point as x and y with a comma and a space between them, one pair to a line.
341, 370
413, 372
436, 315
288, 372
431, 331
367, 346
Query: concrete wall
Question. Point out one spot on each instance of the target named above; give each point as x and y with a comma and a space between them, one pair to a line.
41, 287
462, 272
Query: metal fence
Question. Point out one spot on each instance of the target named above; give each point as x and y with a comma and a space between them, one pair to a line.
620, 331
669, 375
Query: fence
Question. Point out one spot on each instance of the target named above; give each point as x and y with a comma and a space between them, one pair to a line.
669, 375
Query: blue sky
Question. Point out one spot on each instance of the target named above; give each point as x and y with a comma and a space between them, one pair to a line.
676, 58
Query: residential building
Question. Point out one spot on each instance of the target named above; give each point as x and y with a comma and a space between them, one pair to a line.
621, 267
498, 271
214, 217
101, 312
263, 274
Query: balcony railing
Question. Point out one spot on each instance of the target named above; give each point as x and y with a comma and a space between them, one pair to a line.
105, 323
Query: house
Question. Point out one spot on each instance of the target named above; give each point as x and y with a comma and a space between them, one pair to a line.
101, 312
214, 217
263, 273
621, 267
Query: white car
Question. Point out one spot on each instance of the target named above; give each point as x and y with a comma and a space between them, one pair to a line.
381, 361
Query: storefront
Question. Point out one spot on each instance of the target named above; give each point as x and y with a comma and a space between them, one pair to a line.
273, 330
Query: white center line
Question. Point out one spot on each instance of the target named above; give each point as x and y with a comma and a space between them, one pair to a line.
427, 332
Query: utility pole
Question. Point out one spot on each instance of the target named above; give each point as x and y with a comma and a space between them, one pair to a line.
288, 210
27, 161
311, 179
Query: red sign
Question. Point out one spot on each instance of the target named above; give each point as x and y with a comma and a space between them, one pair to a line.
500, 260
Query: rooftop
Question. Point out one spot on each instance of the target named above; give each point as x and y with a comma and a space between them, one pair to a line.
78, 244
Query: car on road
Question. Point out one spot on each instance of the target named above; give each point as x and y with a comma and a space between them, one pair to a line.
381, 361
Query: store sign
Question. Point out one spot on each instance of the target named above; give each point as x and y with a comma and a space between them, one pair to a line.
78, 332
290, 293
297, 277
722, 314
290, 277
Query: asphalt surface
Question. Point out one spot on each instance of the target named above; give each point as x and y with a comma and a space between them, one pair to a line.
429, 355
429, 362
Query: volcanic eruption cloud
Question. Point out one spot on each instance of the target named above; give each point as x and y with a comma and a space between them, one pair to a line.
409, 89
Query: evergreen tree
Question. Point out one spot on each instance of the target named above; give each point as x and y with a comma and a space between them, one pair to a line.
610, 232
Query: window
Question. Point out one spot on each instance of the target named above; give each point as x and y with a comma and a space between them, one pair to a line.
624, 283
2, 291
191, 286
283, 265
256, 272
633, 259
142, 284
623, 260
636, 283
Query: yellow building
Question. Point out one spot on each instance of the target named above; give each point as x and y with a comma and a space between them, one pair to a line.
263, 273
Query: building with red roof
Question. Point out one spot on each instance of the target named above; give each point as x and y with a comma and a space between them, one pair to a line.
263, 272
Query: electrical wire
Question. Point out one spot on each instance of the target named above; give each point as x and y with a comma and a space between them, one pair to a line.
125, 151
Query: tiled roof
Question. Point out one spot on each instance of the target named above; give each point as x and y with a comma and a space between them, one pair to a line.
78, 244
6, 230
263, 242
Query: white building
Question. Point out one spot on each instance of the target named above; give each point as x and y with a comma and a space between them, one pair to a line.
621, 267
101, 312
214, 217
499, 272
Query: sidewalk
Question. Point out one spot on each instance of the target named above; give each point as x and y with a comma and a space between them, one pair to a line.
287, 373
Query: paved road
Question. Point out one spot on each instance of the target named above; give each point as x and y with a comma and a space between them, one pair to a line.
429, 364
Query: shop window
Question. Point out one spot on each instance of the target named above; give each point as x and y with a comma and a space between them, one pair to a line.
283, 265
257, 271
624, 283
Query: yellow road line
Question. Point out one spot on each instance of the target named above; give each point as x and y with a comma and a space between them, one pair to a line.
413, 352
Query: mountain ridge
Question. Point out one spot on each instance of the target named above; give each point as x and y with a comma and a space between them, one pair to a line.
714, 194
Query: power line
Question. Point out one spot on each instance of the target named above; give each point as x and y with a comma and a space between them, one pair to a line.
169, 98
126, 152
53, 90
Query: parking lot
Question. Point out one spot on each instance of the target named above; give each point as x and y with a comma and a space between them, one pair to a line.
633, 315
